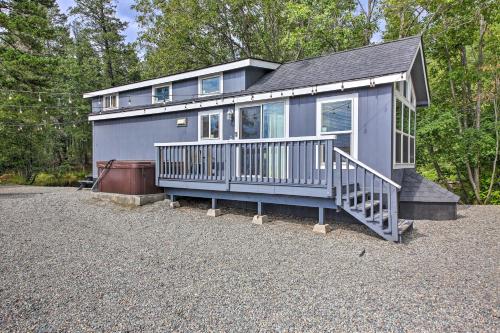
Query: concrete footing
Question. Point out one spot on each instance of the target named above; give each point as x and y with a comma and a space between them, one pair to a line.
322, 228
173, 204
214, 212
260, 219
128, 199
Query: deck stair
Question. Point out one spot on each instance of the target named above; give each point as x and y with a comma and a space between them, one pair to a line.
372, 200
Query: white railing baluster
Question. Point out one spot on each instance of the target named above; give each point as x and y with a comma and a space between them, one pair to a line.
355, 185
363, 193
372, 196
381, 209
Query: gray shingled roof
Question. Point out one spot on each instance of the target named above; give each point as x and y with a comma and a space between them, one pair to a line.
416, 188
365, 62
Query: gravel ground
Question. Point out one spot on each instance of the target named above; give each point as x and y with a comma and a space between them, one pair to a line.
70, 263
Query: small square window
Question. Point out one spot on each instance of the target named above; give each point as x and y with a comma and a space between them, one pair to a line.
161, 94
111, 102
210, 85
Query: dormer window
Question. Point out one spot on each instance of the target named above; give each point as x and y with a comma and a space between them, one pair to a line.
110, 102
210, 85
162, 93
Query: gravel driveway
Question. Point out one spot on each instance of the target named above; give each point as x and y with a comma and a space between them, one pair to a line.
70, 263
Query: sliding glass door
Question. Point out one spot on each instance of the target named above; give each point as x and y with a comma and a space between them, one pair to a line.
264, 121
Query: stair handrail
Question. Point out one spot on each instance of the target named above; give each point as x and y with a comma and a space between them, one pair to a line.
361, 164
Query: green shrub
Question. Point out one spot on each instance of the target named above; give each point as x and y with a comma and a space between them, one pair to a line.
12, 178
69, 178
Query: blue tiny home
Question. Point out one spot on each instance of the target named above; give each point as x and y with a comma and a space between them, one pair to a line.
331, 132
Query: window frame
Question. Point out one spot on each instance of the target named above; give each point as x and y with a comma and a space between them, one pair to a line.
104, 102
354, 118
238, 127
208, 113
410, 103
154, 99
221, 84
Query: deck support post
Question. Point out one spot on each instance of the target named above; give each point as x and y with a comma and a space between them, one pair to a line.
259, 218
321, 218
214, 211
321, 227
172, 203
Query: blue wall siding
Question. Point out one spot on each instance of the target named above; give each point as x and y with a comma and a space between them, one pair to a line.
234, 81
302, 115
185, 89
138, 97
96, 107
133, 138
374, 123
375, 128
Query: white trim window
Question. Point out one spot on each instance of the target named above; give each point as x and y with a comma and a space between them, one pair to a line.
404, 125
210, 85
262, 120
338, 115
110, 102
161, 93
210, 125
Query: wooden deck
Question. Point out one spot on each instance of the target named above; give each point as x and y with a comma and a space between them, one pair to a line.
305, 171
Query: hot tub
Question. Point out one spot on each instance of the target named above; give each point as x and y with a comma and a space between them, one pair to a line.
128, 177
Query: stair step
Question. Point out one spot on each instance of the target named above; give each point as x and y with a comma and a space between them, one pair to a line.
351, 195
368, 205
404, 225
376, 217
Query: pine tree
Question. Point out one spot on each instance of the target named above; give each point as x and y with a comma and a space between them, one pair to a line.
31, 41
98, 27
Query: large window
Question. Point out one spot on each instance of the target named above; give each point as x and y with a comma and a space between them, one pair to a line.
210, 85
110, 102
337, 116
162, 93
262, 121
404, 124
210, 125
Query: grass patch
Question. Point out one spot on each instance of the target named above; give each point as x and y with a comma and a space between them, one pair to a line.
68, 178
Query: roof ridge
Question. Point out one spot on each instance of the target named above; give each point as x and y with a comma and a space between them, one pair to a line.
353, 49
